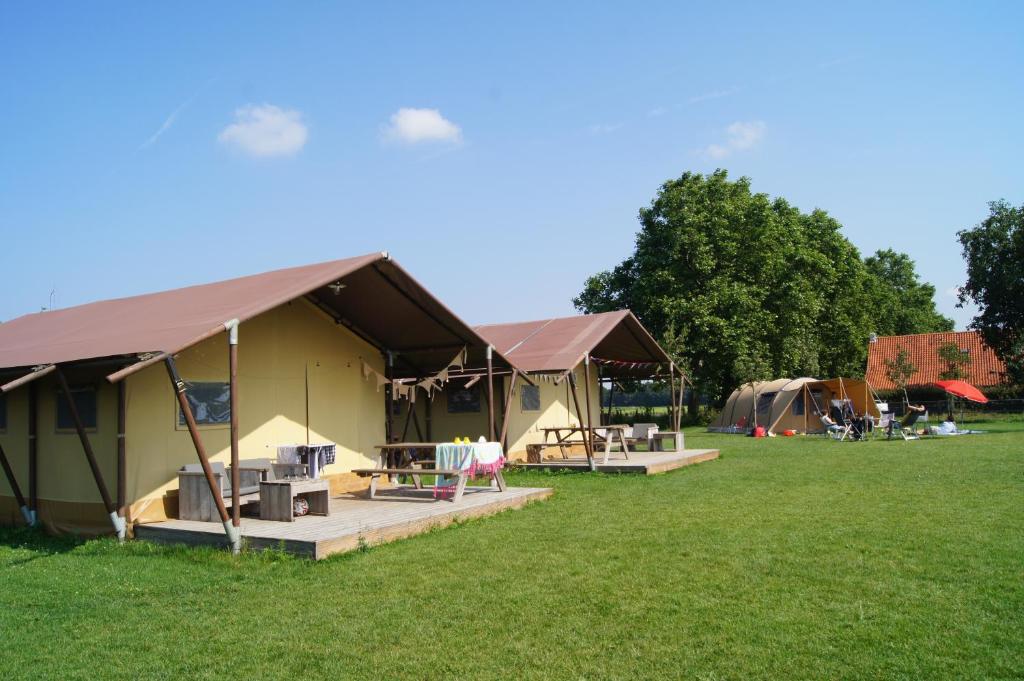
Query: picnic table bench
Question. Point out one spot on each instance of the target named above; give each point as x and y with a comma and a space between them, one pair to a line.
397, 459
614, 434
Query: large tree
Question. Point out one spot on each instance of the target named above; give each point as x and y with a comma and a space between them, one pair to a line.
740, 286
994, 251
907, 304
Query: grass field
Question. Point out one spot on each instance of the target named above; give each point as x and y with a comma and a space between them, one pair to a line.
788, 558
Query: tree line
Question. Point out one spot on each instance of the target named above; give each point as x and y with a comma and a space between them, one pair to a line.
739, 286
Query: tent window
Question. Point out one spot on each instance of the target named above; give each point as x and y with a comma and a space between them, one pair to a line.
764, 402
85, 401
3, 411
818, 400
529, 398
798, 405
464, 401
210, 402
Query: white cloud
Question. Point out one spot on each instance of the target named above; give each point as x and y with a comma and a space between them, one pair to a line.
714, 95
740, 136
266, 130
657, 111
413, 126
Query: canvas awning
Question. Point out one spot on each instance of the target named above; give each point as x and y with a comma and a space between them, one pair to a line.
616, 341
371, 295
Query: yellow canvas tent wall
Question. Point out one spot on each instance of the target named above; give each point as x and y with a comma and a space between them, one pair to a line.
311, 341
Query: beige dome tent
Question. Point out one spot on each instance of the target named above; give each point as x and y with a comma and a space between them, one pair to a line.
790, 404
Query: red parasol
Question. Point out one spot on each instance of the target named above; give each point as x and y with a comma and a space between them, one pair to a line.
962, 389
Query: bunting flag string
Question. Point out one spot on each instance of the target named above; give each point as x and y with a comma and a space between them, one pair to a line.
404, 389
625, 365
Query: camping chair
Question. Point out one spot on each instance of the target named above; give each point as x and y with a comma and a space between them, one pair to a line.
838, 429
905, 426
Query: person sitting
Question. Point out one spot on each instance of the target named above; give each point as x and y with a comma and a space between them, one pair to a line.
831, 427
914, 412
947, 427
857, 426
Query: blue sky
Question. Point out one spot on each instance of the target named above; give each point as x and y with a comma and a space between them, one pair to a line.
499, 152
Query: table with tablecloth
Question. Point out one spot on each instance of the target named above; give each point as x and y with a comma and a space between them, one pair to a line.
476, 458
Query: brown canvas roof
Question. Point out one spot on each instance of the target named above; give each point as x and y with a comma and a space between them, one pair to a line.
985, 369
556, 345
380, 302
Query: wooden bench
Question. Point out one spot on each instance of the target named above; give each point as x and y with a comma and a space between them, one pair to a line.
535, 452
375, 474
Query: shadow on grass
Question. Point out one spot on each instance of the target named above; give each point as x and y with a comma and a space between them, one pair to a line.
32, 544
38, 542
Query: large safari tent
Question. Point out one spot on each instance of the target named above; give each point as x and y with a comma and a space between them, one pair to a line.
299, 352
791, 404
559, 366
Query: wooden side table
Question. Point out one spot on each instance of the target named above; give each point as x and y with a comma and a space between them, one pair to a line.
277, 497
664, 438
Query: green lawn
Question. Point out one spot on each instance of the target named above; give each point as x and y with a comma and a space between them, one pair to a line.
786, 558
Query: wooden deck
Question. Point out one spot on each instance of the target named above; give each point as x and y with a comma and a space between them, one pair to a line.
644, 463
396, 513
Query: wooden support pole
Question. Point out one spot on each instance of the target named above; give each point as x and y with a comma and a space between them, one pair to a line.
416, 423
611, 400
197, 442
33, 451
427, 421
508, 411
490, 394
408, 420
13, 482
33, 375
236, 473
97, 474
672, 392
586, 395
122, 461
389, 363
579, 416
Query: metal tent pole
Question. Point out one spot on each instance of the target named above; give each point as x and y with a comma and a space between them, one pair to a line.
108, 503
122, 455
236, 473
33, 452
13, 482
234, 537
586, 395
579, 416
508, 411
490, 393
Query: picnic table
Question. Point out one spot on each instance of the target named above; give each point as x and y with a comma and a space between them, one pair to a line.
563, 433
447, 460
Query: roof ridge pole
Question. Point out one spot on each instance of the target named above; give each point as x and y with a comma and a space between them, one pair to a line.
490, 393
108, 503
13, 482
236, 474
193, 430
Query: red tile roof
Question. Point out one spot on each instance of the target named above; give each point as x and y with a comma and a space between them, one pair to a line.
984, 370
